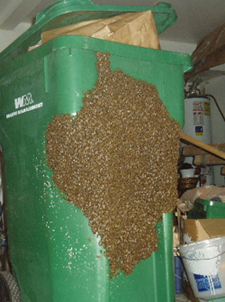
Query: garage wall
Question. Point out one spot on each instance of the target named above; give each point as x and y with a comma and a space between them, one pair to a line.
8, 36
214, 87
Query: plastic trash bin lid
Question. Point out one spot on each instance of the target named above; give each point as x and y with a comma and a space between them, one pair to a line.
63, 13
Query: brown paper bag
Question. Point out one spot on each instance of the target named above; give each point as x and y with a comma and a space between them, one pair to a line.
137, 29
210, 52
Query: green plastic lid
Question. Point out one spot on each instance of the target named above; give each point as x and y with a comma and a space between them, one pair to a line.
73, 11
63, 13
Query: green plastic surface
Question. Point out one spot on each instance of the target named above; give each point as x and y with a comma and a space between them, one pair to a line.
55, 255
62, 13
204, 208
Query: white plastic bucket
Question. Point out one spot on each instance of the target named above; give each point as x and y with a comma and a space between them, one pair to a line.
204, 262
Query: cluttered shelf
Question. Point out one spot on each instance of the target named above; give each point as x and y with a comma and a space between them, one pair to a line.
202, 157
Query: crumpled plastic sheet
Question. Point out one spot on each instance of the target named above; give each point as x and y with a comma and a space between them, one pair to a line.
187, 200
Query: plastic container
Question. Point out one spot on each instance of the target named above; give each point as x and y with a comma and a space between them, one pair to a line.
185, 173
178, 269
204, 208
204, 262
54, 254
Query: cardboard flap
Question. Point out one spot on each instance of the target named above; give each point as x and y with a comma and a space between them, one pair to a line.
202, 229
213, 227
136, 28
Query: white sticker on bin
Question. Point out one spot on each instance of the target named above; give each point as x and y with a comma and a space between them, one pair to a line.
24, 104
27, 109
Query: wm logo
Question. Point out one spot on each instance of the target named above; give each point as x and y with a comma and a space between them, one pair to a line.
23, 101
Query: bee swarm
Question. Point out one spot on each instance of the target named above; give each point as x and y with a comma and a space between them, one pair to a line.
117, 162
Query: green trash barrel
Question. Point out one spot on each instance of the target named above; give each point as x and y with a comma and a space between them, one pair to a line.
54, 254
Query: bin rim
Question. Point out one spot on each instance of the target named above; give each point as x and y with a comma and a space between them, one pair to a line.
96, 45
65, 12
187, 249
205, 242
211, 203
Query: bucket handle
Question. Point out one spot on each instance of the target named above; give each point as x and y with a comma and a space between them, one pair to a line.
176, 251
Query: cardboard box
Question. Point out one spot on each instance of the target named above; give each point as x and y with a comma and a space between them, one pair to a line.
201, 229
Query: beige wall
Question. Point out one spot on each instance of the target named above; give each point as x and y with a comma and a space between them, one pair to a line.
8, 36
